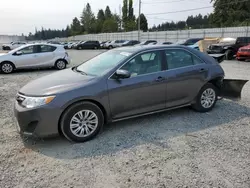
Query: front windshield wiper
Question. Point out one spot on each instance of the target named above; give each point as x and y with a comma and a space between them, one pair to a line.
77, 70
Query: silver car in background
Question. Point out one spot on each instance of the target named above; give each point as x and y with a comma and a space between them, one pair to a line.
34, 56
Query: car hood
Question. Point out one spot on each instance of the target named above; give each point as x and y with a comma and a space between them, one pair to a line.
55, 83
222, 44
245, 47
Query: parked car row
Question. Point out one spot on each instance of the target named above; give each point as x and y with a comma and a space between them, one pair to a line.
231, 47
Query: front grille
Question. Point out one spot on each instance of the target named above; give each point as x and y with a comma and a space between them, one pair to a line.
216, 48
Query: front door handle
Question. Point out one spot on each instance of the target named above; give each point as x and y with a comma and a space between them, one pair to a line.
160, 79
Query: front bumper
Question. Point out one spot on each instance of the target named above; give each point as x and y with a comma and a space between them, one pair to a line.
243, 55
38, 122
215, 51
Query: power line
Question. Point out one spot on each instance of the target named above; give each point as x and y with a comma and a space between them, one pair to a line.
163, 2
187, 10
163, 19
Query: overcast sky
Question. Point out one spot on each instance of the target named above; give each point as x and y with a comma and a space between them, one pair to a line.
22, 16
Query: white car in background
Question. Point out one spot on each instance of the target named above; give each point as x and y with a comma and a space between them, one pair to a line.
34, 56
13, 45
115, 44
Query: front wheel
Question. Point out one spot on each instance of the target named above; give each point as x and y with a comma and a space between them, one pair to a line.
206, 98
82, 122
229, 55
7, 67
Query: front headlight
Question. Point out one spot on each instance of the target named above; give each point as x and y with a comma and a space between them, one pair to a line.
32, 102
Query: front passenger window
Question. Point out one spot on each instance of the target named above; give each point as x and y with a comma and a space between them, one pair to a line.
27, 50
146, 63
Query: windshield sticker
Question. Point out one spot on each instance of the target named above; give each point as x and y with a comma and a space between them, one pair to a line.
125, 53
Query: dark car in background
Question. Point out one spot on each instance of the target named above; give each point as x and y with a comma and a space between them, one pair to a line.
131, 43
88, 45
119, 84
228, 47
146, 42
188, 42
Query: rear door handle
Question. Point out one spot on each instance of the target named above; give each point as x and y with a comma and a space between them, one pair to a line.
202, 70
159, 79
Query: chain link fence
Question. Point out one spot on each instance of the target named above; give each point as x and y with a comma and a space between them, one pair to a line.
165, 36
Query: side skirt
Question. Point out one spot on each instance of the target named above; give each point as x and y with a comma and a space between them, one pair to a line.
149, 113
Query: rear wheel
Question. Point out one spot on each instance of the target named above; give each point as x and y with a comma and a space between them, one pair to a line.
229, 55
79, 48
110, 47
7, 67
82, 122
206, 99
60, 64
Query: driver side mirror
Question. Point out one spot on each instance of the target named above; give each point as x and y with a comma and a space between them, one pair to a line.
19, 53
122, 74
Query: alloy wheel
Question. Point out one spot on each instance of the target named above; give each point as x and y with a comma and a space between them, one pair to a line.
208, 98
7, 68
61, 65
83, 123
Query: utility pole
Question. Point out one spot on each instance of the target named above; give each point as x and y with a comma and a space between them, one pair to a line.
139, 21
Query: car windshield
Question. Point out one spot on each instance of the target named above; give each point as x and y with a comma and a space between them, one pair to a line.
227, 40
102, 63
16, 49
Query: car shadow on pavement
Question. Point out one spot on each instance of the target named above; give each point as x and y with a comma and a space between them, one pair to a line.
154, 129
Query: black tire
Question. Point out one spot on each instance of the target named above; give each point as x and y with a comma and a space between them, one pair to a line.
79, 48
198, 101
7, 67
229, 55
60, 64
110, 47
95, 48
71, 112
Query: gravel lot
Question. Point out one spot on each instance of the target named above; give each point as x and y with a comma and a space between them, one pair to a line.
179, 148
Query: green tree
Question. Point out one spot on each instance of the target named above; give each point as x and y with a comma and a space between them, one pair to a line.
231, 13
130, 10
76, 27
125, 14
110, 25
128, 17
108, 13
143, 22
88, 19
118, 21
100, 20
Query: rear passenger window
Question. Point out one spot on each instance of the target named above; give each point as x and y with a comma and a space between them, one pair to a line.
180, 58
46, 48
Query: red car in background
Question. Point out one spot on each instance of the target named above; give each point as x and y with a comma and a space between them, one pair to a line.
243, 53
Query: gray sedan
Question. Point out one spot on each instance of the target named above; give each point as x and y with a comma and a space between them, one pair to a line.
120, 84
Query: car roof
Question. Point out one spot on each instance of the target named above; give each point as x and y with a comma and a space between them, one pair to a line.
33, 44
136, 49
